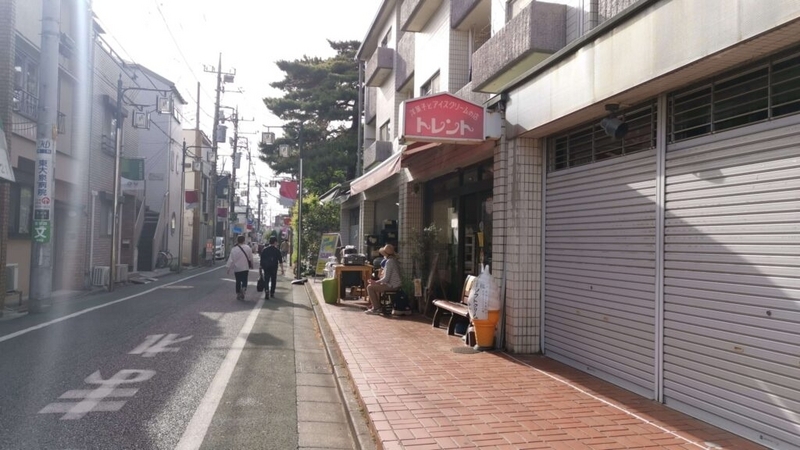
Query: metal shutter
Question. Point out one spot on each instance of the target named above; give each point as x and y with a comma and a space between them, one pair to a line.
600, 269
732, 283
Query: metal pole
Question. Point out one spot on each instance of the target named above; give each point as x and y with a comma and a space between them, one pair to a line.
41, 286
214, 178
117, 151
183, 208
298, 274
232, 190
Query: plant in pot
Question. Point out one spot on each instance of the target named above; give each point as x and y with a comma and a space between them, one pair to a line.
423, 244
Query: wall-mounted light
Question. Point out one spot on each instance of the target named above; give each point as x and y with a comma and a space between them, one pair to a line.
613, 125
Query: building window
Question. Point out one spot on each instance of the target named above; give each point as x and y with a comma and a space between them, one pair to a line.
589, 143
385, 132
108, 222
387, 39
26, 85
20, 216
761, 92
430, 87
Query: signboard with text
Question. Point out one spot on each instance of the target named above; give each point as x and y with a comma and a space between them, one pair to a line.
43, 200
441, 118
327, 248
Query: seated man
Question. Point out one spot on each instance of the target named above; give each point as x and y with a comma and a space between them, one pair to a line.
390, 281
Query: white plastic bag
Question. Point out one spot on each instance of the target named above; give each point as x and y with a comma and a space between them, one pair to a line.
485, 296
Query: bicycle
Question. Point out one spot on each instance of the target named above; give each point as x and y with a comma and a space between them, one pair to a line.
164, 259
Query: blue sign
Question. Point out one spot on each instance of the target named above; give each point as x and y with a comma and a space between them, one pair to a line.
237, 229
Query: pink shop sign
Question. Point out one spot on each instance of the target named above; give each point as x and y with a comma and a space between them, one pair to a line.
441, 118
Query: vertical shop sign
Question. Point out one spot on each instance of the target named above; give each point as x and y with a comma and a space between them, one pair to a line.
43, 206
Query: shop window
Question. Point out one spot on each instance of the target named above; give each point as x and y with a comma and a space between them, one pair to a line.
21, 210
589, 143
760, 92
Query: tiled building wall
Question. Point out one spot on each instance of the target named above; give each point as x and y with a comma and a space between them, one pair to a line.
7, 17
432, 45
516, 240
459, 60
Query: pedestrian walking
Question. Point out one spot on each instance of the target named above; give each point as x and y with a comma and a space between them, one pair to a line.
270, 260
240, 261
284, 251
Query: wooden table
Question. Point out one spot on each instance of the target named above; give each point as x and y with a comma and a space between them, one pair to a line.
366, 273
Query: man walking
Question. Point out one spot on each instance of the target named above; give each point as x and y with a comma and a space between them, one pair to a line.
284, 252
240, 261
270, 260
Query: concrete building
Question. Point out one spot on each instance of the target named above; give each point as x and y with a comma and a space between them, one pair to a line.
639, 208
161, 147
199, 214
69, 231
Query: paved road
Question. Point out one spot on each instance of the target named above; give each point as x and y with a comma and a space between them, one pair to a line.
174, 364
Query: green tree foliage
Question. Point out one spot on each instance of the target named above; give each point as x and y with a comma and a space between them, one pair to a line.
319, 95
317, 219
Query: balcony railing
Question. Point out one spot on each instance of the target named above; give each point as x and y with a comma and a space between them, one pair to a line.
405, 60
535, 33
415, 14
380, 66
26, 104
377, 152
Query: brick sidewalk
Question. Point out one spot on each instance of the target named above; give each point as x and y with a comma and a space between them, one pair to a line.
421, 392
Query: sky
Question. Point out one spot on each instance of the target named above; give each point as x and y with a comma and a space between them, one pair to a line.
180, 39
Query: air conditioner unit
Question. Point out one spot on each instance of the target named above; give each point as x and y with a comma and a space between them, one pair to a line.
12, 277
100, 275
122, 273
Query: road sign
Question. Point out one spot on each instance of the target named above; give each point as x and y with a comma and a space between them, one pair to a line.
41, 231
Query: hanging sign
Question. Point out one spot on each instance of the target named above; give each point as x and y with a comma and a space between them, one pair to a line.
441, 118
43, 203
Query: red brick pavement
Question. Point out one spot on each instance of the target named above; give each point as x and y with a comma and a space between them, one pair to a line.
421, 394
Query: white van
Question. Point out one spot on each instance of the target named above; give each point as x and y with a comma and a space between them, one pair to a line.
219, 247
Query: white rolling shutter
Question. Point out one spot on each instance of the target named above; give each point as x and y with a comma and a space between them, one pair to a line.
600, 269
732, 282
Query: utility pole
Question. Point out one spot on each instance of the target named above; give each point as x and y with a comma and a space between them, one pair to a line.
234, 160
117, 150
228, 77
41, 287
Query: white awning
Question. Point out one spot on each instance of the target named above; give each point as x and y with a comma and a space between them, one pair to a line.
379, 173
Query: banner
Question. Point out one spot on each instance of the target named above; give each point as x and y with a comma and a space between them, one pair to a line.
330, 242
288, 193
191, 199
131, 168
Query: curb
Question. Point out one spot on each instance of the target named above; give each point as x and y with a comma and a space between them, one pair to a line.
356, 411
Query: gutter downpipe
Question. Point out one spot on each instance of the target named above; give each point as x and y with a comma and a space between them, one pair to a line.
501, 328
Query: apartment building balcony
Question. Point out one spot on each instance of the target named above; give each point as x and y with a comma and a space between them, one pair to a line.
380, 66
405, 60
529, 38
377, 152
466, 12
26, 104
415, 14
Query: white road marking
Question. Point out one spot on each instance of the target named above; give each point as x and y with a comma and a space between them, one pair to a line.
87, 310
158, 343
196, 431
94, 400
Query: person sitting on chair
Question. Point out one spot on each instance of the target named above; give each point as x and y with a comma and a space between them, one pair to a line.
390, 281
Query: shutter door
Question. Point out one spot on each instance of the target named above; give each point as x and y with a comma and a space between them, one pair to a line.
732, 284
600, 269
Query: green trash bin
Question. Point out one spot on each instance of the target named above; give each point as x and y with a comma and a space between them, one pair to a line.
330, 290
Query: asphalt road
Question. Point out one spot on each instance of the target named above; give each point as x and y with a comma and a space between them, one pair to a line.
178, 363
